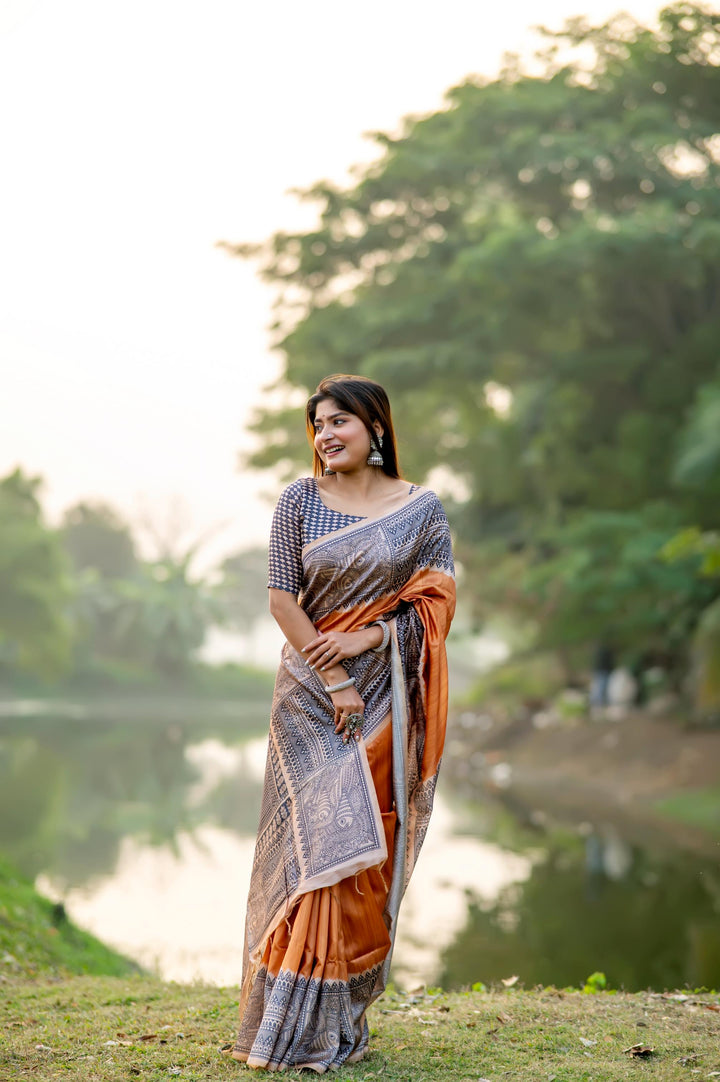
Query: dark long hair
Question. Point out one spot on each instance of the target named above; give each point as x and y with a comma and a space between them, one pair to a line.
368, 401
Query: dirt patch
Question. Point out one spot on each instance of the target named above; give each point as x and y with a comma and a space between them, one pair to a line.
615, 770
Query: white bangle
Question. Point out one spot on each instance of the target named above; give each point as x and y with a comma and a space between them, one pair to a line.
341, 686
386, 636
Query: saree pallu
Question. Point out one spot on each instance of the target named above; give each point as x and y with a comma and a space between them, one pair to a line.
341, 825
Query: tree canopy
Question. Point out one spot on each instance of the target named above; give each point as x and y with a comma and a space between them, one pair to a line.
533, 272
35, 591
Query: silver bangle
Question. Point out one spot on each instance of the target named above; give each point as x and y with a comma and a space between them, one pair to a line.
341, 686
386, 636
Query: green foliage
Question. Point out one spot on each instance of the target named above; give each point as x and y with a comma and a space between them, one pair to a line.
243, 586
153, 620
596, 982
698, 461
96, 537
77, 606
532, 272
692, 541
35, 633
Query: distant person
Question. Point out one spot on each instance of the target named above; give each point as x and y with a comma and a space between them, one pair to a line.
621, 693
361, 584
602, 667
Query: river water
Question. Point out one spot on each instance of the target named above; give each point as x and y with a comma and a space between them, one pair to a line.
144, 827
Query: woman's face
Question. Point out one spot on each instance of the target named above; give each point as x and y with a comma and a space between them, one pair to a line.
341, 438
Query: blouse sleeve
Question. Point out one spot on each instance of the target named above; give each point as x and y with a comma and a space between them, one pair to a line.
284, 557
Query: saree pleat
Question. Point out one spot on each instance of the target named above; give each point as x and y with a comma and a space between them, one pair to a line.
341, 825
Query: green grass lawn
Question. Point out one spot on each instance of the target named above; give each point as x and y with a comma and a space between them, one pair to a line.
105, 1029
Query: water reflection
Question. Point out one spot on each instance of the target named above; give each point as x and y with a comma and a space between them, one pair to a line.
146, 830
177, 910
451, 869
647, 918
71, 791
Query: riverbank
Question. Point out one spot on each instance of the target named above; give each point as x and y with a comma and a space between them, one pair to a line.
648, 771
111, 1028
36, 936
111, 690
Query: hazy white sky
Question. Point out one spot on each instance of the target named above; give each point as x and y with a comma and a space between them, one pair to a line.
136, 134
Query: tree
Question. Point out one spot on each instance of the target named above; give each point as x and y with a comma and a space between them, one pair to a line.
35, 590
243, 587
95, 536
162, 614
135, 617
534, 273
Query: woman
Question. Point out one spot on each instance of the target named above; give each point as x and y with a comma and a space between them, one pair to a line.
361, 584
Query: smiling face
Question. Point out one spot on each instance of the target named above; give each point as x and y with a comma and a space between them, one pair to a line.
341, 438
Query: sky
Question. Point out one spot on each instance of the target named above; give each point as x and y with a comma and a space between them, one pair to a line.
134, 137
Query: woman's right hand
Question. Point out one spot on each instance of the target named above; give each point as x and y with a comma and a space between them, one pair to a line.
346, 702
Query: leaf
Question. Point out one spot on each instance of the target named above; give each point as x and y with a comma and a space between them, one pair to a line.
587, 1042
510, 981
639, 1050
504, 1018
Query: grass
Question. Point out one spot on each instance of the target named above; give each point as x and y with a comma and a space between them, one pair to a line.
36, 937
696, 807
107, 1029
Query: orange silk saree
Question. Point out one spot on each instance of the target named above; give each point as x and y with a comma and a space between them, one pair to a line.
341, 825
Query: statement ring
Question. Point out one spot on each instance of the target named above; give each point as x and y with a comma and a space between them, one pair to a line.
353, 727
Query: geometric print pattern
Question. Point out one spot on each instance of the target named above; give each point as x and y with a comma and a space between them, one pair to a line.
305, 834
319, 815
306, 1022
300, 517
376, 558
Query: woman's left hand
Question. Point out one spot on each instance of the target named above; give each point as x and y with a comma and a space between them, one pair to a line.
335, 646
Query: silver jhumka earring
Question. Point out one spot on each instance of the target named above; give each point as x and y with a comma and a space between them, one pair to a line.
375, 458
328, 471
